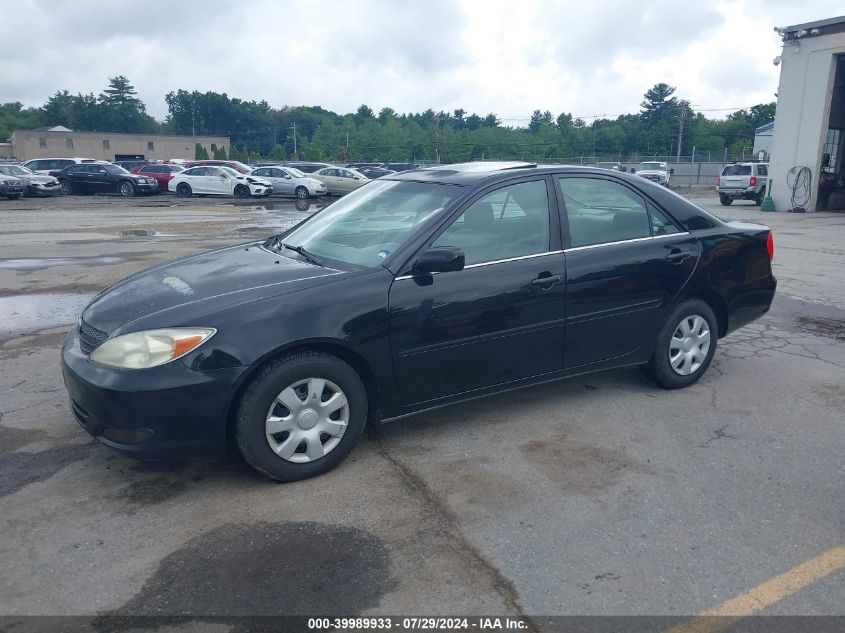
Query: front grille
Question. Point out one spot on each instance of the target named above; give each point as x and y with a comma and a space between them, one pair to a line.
90, 338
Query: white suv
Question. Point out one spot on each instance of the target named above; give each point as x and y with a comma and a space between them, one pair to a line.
743, 181
46, 165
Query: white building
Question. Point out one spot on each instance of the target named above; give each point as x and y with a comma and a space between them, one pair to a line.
807, 168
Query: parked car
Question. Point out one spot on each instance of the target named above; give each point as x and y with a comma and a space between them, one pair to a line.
308, 168
289, 181
743, 181
372, 174
654, 170
339, 180
362, 166
162, 172
237, 165
416, 291
46, 165
11, 187
34, 184
218, 181
401, 166
131, 165
610, 165
103, 178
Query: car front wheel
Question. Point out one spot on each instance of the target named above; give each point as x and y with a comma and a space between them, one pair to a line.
67, 189
126, 189
301, 192
301, 415
685, 346
242, 191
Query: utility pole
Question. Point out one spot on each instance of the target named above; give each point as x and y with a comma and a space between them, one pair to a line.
293, 127
681, 130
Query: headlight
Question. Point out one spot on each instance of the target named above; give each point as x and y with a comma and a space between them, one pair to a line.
151, 348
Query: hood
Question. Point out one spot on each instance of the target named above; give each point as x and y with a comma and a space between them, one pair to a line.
40, 179
155, 297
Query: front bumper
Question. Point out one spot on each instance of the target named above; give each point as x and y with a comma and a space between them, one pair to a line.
11, 190
147, 188
165, 411
260, 192
38, 189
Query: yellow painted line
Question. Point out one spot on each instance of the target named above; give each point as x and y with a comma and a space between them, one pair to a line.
765, 594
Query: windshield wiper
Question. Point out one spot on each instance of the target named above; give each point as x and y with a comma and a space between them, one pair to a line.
311, 257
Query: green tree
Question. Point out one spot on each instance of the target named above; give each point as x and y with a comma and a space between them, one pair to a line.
200, 153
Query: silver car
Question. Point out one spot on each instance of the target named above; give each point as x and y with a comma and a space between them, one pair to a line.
35, 184
743, 181
288, 181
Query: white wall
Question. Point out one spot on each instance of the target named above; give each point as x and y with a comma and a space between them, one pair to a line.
803, 110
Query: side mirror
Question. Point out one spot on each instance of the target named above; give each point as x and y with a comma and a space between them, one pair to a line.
672, 171
442, 259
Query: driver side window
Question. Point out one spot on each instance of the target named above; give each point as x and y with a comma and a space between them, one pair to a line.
512, 221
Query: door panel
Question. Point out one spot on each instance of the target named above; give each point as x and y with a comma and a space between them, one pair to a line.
618, 294
626, 264
482, 326
499, 319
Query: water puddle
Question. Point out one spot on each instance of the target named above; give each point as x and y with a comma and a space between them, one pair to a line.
23, 314
821, 326
133, 234
48, 262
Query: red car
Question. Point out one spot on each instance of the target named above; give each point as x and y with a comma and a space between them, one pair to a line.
234, 164
162, 172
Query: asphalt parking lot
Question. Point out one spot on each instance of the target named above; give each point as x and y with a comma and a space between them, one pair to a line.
601, 495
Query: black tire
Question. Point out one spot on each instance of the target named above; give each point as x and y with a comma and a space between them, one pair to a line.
184, 190
260, 394
67, 188
15, 196
126, 189
301, 192
659, 369
725, 200
242, 191
758, 199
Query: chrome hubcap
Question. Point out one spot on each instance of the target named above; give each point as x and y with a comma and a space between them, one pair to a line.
307, 420
689, 345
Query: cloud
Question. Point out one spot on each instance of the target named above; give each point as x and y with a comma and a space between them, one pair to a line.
587, 58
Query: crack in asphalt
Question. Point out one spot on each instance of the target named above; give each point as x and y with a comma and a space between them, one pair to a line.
719, 434
451, 530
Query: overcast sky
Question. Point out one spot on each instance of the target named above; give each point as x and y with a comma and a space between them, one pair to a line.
586, 57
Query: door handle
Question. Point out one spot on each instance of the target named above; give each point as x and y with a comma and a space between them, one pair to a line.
677, 256
547, 281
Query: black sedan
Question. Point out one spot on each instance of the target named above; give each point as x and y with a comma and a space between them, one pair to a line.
103, 178
415, 291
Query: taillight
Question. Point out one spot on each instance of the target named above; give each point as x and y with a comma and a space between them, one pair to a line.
770, 246
753, 181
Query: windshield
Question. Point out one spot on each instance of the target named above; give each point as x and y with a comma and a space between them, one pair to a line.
364, 227
114, 169
230, 171
15, 170
651, 167
294, 172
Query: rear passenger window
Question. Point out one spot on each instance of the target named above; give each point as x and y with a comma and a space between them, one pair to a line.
601, 211
510, 222
660, 224
762, 170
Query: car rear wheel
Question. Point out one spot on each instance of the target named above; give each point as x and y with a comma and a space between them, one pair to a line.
242, 191
758, 199
183, 189
301, 415
301, 192
67, 189
685, 346
725, 200
126, 189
